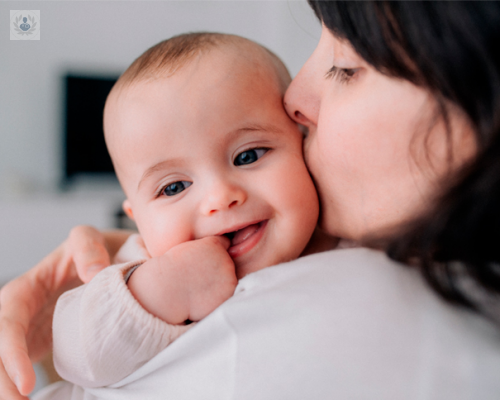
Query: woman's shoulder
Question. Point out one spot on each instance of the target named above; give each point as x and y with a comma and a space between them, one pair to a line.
355, 314
359, 279
358, 267
362, 290
341, 324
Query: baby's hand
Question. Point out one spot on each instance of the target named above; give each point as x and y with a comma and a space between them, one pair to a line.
188, 282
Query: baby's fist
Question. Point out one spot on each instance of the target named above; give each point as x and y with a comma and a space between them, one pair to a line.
208, 273
189, 281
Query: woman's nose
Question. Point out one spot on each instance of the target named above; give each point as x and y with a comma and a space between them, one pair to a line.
223, 196
302, 99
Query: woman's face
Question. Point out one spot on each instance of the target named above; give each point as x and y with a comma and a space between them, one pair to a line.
375, 149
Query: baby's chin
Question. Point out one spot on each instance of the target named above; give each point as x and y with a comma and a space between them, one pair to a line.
259, 263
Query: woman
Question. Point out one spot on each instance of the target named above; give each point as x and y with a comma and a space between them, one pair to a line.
402, 105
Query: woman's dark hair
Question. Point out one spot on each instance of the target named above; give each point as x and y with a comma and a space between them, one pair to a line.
452, 49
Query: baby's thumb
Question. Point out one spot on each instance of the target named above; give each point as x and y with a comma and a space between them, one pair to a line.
88, 250
223, 241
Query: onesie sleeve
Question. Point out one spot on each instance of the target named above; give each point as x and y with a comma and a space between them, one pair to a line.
102, 334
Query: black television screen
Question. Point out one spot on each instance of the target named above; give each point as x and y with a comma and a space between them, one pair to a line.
85, 150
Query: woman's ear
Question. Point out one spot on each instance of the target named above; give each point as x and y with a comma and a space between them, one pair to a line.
128, 209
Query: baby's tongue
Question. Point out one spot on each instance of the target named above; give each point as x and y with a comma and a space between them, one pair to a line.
244, 234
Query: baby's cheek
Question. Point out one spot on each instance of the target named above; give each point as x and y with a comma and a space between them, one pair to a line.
301, 201
161, 234
308, 206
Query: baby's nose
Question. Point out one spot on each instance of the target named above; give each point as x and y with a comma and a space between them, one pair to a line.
223, 196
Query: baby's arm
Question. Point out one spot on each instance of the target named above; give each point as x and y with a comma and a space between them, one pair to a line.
188, 282
101, 332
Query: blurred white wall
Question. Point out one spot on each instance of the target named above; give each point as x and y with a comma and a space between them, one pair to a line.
97, 37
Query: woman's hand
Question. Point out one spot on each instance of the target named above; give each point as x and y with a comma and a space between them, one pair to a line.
27, 304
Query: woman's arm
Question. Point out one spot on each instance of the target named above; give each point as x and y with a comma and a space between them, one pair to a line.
27, 303
92, 250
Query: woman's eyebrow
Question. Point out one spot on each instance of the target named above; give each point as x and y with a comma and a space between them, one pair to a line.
155, 168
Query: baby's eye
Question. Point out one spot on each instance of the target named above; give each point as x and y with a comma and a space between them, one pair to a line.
175, 188
249, 156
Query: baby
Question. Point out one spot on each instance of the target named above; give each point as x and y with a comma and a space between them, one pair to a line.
214, 176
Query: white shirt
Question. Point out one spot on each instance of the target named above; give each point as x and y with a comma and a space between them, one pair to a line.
344, 324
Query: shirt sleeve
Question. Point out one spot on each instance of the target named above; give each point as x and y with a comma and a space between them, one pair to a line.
133, 249
102, 334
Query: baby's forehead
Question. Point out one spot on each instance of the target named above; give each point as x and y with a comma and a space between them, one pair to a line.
227, 50
248, 64
247, 67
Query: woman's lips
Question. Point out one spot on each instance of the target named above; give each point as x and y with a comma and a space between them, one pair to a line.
245, 239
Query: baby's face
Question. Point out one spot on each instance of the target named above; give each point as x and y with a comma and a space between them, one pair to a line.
211, 151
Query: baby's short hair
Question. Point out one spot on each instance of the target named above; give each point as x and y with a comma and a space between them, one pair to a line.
166, 57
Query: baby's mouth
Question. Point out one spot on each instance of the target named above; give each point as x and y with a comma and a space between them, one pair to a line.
240, 236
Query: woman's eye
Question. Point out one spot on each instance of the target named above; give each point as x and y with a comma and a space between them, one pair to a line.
175, 188
344, 75
249, 156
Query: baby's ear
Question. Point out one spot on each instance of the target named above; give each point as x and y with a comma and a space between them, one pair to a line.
128, 209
